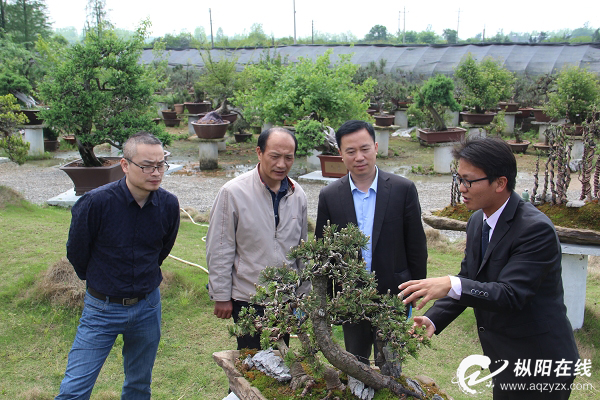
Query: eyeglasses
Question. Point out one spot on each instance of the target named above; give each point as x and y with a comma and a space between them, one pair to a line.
465, 182
150, 169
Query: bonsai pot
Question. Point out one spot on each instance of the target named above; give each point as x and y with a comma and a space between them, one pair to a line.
384, 120
478, 119
518, 147
197, 108
508, 107
332, 166
371, 111
242, 137
33, 117
210, 131
573, 130
401, 104
178, 108
231, 117
70, 139
169, 114
50, 145
172, 122
430, 136
540, 116
157, 120
88, 178
525, 112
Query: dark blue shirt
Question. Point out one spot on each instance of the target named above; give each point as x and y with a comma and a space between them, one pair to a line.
283, 188
117, 246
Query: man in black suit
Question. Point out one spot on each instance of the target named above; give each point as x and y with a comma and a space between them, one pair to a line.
510, 275
386, 208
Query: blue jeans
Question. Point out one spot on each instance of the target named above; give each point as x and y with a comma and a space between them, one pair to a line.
100, 324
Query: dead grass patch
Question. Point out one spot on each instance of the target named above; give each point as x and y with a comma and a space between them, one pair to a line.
10, 197
197, 217
436, 240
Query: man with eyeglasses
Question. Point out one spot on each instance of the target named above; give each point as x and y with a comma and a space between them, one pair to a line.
510, 275
120, 234
255, 220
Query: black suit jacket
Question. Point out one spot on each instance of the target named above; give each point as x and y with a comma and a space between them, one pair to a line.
399, 245
516, 291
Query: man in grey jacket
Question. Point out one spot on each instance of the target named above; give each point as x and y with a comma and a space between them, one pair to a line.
255, 220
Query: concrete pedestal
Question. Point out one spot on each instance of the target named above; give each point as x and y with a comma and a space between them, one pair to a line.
442, 157
208, 152
578, 147
382, 137
192, 118
475, 130
34, 135
222, 145
542, 128
401, 118
312, 161
266, 125
574, 276
455, 117
509, 118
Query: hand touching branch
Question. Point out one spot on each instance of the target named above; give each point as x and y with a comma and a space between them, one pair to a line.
428, 289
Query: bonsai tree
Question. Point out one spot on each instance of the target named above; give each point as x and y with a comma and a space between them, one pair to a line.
577, 92
314, 135
435, 96
279, 93
100, 93
311, 315
484, 84
10, 139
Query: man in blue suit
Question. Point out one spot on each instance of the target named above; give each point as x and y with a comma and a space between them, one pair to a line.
510, 275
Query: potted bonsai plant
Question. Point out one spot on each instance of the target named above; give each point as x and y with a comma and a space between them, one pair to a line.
100, 93
50, 138
577, 93
199, 105
540, 96
314, 137
434, 97
482, 85
210, 126
385, 91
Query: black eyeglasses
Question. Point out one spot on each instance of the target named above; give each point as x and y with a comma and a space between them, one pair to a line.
150, 169
467, 183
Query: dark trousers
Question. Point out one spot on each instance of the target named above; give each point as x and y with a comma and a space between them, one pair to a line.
359, 339
248, 341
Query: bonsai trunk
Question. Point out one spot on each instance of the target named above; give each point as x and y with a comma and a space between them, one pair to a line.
440, 124
86, 151
340, 358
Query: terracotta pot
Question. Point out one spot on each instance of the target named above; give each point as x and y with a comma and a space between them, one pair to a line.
332, 166
169, 114
172, 122
242, 137
178, 108
525, 112
508, 107
540, 116
384, 120
573, 130
210, 131
157, 120
454, 134
518, 147
197, 108
88, 178
371, 111
478, 119
50, 145
232, 117
70, 139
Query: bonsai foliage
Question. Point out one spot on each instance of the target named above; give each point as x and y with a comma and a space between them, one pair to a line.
10, 138
436, 95
277, 93
100, 93
219, 80
310, 316
577, 92
312, 134
483, 84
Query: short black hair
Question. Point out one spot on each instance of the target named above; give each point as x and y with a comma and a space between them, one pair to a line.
354, 125
492, 155
264, 136
142, 137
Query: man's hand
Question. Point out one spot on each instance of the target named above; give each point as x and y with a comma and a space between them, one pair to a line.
428, 289
223, 309
424, 322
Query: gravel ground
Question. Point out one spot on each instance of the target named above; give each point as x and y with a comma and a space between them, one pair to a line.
38, 184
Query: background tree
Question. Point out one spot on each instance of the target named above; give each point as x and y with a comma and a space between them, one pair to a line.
96, 16
378, 33
10, 139
451, 36
100, 92
26, 19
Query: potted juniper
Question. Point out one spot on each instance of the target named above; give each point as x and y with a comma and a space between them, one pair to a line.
290, 309
317, 139
433, 99
99, 92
